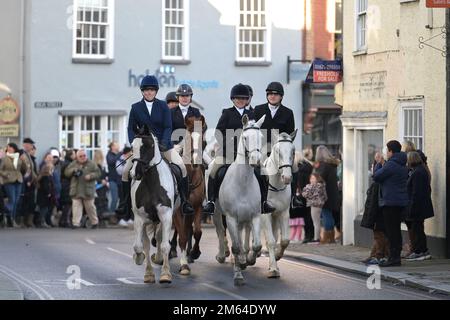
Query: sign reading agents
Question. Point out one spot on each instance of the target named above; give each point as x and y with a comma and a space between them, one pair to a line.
438, 3
325, 71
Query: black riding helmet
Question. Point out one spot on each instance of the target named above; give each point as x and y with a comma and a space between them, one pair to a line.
239, 91
275, 87
171, 97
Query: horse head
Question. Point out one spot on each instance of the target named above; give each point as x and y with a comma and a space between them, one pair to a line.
145, 148
282, 154
251, 139
195, 129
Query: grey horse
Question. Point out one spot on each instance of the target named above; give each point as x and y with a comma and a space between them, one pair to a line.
278, 167
240, 200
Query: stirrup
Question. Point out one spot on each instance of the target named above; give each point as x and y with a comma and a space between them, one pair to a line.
267, 208
189, 210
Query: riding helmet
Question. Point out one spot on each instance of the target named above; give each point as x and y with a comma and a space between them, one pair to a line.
149, 82
184, 90
275, 87
239, 91
171, 97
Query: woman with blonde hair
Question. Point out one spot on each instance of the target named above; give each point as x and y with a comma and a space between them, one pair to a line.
102, 186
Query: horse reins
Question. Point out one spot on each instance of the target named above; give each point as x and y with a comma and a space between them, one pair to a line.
271, 187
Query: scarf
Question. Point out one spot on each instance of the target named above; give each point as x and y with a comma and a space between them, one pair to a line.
15, 158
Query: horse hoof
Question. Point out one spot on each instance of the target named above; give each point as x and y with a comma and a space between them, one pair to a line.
238, 282
243, 266
220, 259
185, 270
227, 253
273, 274
251, 262
150, 278
165, 278
154, 242
190, 259
195, 254
278, 257
158, 262
259, 254
139, 258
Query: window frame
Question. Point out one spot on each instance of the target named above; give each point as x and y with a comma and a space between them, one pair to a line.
267, 44
358, 32
412, 106
185, 33
109, 33
104, 130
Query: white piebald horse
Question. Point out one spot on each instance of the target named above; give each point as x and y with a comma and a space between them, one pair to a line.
279, 169
240, 200
153, 203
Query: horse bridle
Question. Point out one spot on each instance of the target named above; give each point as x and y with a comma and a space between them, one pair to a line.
147, 165
247, 152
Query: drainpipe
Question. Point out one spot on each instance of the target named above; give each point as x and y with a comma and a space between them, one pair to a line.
447, 28
22, 69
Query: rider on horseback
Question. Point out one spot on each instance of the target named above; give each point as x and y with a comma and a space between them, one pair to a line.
155, 114
232, 119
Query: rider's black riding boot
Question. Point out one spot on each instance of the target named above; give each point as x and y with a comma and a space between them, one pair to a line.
210, 206
125, 199
183, 187
263, 187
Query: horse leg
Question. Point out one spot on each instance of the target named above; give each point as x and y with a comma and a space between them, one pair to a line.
266, 220
138, 246
189, 233
183, 239
217, 219
283, 223
247, 231
173, 245
236, 249
149, 276
227, 249
195, 254
166, 225
256, 247
157, 257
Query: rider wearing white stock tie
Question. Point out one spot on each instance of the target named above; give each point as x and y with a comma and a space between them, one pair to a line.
156, 115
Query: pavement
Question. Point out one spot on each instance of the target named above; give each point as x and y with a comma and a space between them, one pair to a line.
429, 275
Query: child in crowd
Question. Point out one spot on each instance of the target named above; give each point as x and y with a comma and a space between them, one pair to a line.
316, 196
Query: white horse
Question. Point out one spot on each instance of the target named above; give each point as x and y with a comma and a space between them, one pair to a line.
279, 168
153, 204
240, 200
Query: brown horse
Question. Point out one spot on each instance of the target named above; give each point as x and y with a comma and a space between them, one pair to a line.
186, 226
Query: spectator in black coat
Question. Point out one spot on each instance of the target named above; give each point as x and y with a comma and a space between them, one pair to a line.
393, 198
373, 218
298, 207
46, 197
66, 200
420, 205
114, 178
